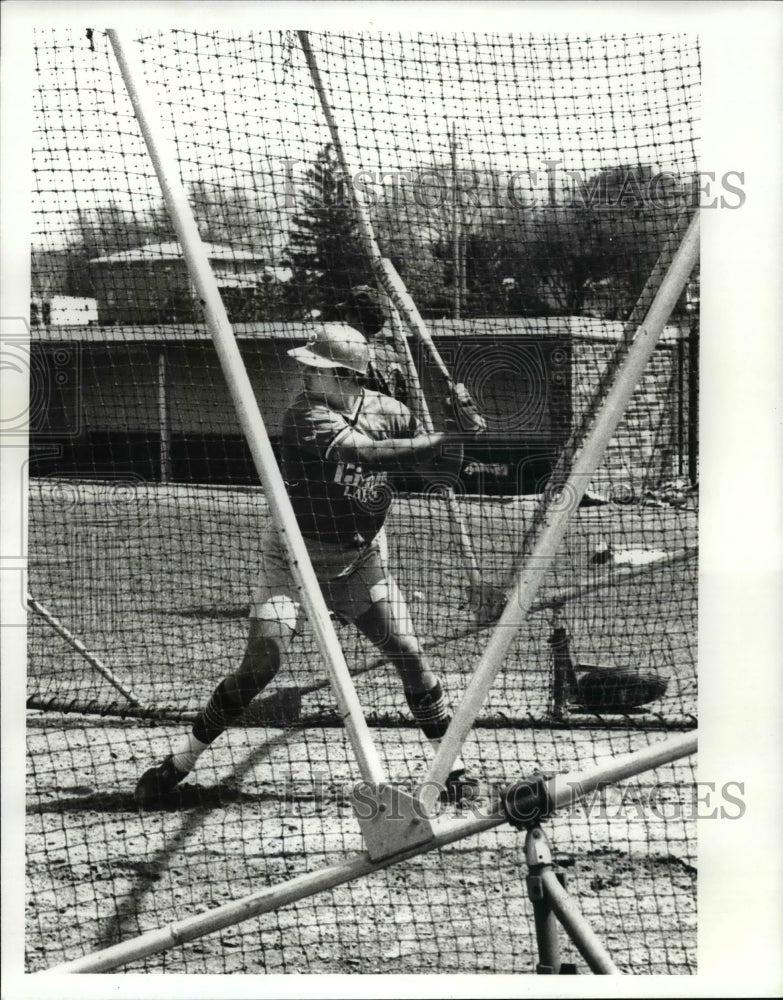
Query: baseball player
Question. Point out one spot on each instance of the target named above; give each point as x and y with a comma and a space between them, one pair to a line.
340, 443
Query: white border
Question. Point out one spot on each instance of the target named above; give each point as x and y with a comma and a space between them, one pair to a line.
741, 913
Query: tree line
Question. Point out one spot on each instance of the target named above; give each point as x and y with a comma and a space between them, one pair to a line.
586, 249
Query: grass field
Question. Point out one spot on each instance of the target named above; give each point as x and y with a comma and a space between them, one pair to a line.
155, 582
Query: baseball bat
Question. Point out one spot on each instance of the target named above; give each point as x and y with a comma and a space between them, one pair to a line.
383, 269
395, 288
486, 600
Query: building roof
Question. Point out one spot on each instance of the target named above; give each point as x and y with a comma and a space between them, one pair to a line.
577, 328
173, 251
247, 279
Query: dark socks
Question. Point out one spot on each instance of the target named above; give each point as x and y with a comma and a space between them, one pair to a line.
229, 700
430, 711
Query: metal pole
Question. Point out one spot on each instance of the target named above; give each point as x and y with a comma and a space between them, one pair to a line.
535, 567
651, 287
266, 899
164, 426
680, 403
566, 790
577, 928
420, 406
394, 287
81, 649
383, 270
244, 400
538, 856
448, 830
547, 928
423, 413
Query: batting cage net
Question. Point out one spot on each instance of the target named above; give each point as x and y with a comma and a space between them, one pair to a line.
531, 193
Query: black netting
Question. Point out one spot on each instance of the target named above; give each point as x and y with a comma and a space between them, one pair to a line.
528, 190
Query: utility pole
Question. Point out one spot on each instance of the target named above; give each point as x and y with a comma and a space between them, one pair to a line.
455, 225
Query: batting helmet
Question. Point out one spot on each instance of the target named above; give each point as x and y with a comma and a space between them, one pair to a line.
362, 308
335, 345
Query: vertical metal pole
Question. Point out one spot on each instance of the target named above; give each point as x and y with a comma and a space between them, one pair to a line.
537, 857
551, 903
581, 933
164, 426
547, 928
562, 667
680, 403
246, 405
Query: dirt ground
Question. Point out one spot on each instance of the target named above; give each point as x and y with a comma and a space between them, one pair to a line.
158, 589
253, 814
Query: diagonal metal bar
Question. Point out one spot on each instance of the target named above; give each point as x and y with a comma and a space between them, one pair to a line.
564, 791
535, 567
245, 403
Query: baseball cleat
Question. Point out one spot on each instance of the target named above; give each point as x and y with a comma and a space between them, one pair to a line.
156, 783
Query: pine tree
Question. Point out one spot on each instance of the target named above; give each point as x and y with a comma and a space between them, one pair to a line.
324, 249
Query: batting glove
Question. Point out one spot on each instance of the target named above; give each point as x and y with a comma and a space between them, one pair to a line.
466, 413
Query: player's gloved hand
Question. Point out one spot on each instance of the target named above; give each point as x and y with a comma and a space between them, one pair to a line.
466, 413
